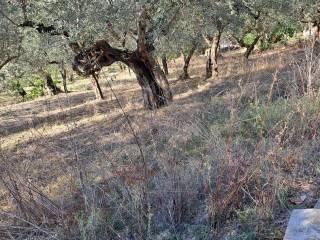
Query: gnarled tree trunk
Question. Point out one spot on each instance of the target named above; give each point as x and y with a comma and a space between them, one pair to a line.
163, 80
318, 29
187, 59
152, 80
212, 68
249, 48
152, 92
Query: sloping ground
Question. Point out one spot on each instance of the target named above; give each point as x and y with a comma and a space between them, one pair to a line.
18, 117
46, 142
6, 100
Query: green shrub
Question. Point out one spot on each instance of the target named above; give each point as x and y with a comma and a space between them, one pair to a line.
15, 87
262, 119
264, 45
37, 88
193, 146
248, 39
281, 34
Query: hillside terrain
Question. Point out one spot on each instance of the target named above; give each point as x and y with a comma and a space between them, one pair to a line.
239, 151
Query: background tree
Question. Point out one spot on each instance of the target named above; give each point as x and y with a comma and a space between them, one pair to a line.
251, 20
10, 39
133, 43
212, 19
308, 12
37, 52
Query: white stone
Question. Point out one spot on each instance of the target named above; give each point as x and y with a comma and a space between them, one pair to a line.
304, 224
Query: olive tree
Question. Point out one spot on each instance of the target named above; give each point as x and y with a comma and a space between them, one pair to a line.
32, 52
308, 12
122, 31
101, 33
210, 19
253, 19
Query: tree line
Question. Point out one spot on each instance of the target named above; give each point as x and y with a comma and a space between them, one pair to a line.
86, 36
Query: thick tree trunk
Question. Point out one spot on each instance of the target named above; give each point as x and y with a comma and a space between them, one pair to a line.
165, 64
187, 59
52, 88
212, 67
96, 87
152, 80
163, 80
63, 72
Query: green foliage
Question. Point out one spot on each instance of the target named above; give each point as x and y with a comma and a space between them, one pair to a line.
264, 45
172, 55
260, 119
15, 86
283, 197
281, 34
249, 38
37, 87
247, 219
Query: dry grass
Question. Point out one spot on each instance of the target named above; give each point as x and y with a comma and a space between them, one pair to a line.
220, 162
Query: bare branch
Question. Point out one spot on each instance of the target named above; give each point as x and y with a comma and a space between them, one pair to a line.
8, 60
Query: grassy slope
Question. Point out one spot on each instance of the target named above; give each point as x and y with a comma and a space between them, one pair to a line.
223, 159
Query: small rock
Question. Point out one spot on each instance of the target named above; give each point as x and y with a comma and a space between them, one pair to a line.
298, 200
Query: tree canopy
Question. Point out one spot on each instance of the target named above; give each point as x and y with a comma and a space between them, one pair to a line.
92, 34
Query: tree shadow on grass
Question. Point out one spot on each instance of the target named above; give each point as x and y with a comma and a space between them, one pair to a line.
103, 145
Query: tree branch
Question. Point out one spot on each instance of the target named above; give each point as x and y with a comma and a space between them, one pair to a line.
142, 29
41, 28
8, 60
9, 19
239, 5
239, 40
163, 29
